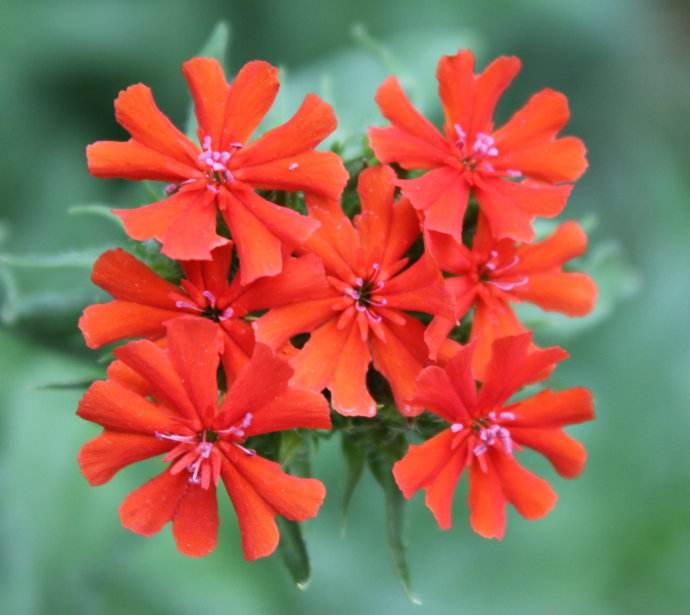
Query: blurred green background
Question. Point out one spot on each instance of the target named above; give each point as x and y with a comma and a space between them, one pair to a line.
619, 539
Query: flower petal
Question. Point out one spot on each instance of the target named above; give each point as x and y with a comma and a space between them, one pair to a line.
400, 358
487, 502
292, 497
146, 510
489, 86
262, 381
392, 144
566, 454
292, 228
375, 188
440, 492
132, 160
192, 235
251, 96
320, 173
127, 278
103, 323
436, 392
397, 109
137, 113
101, 458
116, 408
294, 409
256, 518
541, 119
310, 125
348, 385
419, 288
153, 364
210, 91
555, 408
195, 522
422, 463
194, 347
531, 495
562, 160
302, 279
456, 80
510, 207
280, 324
258, 249
443, 195
573, 294
492, 320
566, 242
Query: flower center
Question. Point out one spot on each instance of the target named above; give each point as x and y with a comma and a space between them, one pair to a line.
208, 309
488, 430
476, 156
199, 454
493, 268
363, 293
216, 162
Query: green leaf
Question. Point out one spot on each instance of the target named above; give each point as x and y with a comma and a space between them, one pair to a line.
355, 457
96, 209
79, 259
216, 46
9, 297
293, 552
381, 465
150, 253
76, 385
379, 50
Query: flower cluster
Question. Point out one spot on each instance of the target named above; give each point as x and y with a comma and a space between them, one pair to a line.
282, 312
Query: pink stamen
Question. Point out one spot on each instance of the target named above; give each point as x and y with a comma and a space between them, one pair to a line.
185, 305
174, 437
507, 416
293, 166
509, 285
456, 427
227, 314
210, 297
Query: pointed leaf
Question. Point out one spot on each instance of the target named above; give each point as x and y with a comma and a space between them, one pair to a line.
293, 552
96, 209
381, 465
354, 452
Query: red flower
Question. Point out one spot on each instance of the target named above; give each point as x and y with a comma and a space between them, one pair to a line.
144, 302
485, 430
362, 316
474, 156
204, 440
495, 273
223, 174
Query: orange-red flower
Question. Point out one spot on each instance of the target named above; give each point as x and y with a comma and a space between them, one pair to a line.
223, 173
495, 273
517, 172
144, 302
485, 430
204, 440
362, 316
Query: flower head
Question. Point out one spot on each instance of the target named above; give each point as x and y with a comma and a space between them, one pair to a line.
485, 430
493, 274
222, 173
144, 302
363, 316
204, 439
517, 172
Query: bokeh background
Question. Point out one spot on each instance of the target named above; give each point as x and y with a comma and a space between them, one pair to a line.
619, 539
